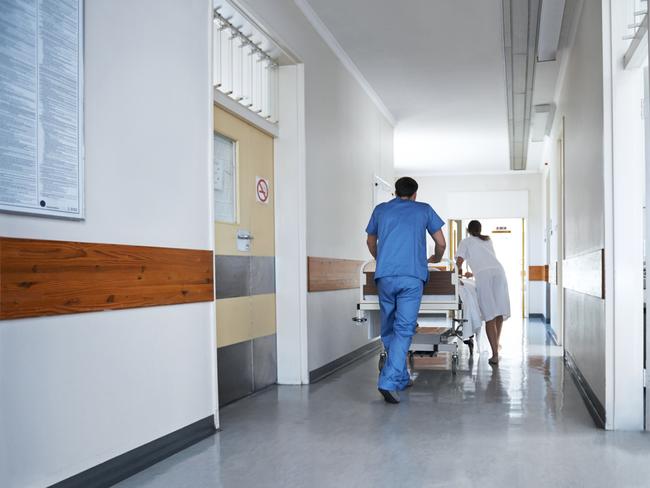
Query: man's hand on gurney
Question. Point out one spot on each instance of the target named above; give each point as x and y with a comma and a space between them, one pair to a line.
440, 246
468, 275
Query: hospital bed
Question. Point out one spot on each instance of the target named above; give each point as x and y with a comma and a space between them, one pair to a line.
440, 317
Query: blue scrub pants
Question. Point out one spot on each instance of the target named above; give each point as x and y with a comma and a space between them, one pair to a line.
399, 303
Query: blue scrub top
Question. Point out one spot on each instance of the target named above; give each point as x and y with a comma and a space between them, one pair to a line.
400, 227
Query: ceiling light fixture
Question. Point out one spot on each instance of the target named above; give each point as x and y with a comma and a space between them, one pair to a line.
541, 121
550, 26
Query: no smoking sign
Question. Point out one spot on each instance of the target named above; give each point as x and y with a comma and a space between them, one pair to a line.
262, 190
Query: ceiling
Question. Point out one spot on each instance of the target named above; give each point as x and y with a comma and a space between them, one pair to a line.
439, 68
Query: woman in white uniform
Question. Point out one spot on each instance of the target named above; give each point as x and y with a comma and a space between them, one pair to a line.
491, 283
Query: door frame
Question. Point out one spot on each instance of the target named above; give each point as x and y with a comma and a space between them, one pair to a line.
289, 175
291, 229
646, 335
289, 161
561, 233
525, 288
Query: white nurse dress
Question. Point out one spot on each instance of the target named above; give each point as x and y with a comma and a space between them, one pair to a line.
491, 282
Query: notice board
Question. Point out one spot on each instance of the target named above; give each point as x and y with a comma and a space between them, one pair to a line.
41, 107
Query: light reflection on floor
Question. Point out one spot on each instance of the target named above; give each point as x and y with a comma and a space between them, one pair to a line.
521, 424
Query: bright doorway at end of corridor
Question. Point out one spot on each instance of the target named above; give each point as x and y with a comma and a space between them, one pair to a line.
508, 238
244, 257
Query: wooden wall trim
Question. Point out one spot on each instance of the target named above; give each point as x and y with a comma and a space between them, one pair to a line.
40, 277
327, 274
439, 283
538, 273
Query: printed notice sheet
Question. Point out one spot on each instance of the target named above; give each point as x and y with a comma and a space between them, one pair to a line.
41, 117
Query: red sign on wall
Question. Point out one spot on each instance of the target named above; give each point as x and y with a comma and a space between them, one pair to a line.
262, 190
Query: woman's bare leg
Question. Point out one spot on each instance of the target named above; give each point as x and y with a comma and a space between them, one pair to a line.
493, 337
499, 321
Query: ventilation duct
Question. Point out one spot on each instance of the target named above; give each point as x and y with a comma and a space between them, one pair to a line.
520, 27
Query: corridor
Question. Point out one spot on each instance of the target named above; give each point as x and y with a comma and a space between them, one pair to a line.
212, 210
521, 424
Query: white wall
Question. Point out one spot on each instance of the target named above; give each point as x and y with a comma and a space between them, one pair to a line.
77, 390
443, 192
626, 229
580, 103
603, 140
348, 141
339, 204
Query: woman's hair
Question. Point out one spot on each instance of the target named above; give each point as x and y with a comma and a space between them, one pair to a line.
474, 229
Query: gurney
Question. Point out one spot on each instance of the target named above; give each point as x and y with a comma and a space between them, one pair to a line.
440, 317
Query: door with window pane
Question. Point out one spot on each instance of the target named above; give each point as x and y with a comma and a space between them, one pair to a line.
244, 257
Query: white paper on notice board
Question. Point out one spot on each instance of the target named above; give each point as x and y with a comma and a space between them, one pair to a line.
41, 117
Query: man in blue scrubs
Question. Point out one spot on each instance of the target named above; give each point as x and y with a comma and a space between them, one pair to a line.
397, 240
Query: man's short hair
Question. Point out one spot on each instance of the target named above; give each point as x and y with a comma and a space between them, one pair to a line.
405, 187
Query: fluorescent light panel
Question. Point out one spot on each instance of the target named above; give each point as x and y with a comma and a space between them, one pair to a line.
541, 122
550, 26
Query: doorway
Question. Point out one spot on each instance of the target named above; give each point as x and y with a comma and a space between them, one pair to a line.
509, 240
244, 257
508, 236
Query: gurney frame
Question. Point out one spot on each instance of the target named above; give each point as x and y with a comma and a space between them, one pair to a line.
440, 302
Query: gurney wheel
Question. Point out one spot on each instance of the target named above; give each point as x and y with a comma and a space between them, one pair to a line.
382, 360
454, 364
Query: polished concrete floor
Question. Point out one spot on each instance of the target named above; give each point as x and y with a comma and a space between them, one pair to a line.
522, 424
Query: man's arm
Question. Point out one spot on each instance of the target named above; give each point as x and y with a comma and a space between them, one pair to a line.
372, 245
441, 244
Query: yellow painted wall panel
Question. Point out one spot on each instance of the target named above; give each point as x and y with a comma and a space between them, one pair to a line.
262, 217
255, 158
245, 318
263, 315
234, 320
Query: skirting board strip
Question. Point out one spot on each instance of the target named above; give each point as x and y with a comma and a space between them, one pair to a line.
595, 408
540, 316
125, 465
329, 368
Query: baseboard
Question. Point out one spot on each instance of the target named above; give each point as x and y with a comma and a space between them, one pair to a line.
540, 316
595, 408
125, 465
329, 368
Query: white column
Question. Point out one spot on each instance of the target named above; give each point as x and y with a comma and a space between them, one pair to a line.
290, 230
624, 235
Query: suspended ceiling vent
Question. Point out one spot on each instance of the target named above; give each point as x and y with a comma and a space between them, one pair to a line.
520, 30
